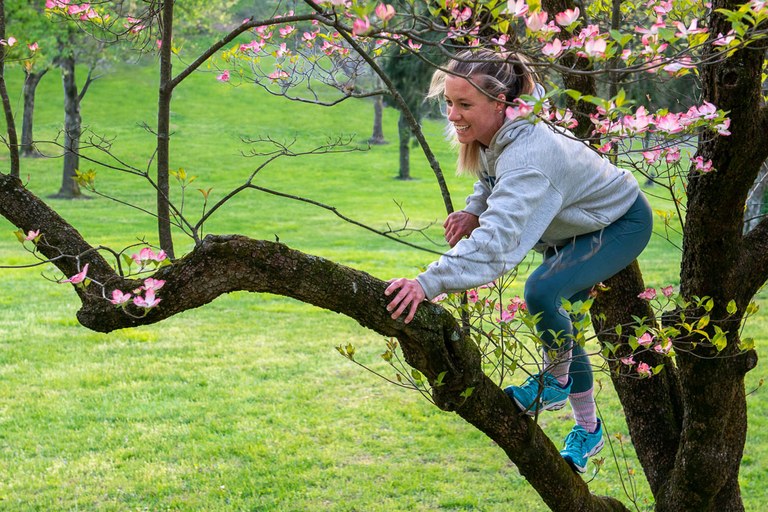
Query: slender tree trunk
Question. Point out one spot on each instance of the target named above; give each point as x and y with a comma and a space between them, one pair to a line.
404, 131
72, 127
31, 80
13, 142
164, 131
378, 128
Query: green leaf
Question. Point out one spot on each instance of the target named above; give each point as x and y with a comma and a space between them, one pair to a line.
417, 376
703, 322
747, 344
20, 235
467, 392
621, 97
574, 94
731, 308
440, 377
719, 340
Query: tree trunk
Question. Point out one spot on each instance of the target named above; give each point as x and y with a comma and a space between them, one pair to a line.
165, 236
378, 129
13, 142
756, 199
31, 80
72, 127
404, 132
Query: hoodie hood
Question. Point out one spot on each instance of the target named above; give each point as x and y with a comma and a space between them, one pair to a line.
509, 132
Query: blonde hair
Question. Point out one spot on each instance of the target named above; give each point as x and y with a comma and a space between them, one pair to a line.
494, 73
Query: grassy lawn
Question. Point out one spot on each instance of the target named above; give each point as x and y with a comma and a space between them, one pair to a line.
245, 404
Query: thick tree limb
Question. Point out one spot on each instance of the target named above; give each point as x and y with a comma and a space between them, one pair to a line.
433, 343
652, 406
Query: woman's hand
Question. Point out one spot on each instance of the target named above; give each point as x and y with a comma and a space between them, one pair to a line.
411, 294
458, 225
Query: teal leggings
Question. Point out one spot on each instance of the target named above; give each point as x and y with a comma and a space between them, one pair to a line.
570, 272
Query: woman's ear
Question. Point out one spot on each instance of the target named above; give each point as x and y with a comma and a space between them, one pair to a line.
501, 102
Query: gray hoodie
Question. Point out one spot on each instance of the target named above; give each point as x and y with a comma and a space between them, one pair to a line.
539, 187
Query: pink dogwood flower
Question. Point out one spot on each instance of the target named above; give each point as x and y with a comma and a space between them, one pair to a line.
644, 369
361, 26
385, 12
567, 17
629, 360
595, 47
664, 349
79, 277
517, 8
535, 22
722, 128
118, 297
673, 155
521, 109
702, 165
647, 294
31, 235
224, 77
651, 156
148, 301
645, 340
153, 284
553, 48
669, 123
668, 291
278, 74
33, 47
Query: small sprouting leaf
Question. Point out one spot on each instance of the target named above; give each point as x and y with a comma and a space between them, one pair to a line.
731, 308
709, 304
387, 355
618, 329
440, 377
747, 344
417, 376
657, 369
127, 260
719, 340
467, 392
20, 235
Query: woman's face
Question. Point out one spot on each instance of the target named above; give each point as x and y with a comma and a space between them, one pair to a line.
475, 116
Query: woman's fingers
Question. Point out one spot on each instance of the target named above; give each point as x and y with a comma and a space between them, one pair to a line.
410, 295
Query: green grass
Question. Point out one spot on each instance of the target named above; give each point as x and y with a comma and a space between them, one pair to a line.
245, 404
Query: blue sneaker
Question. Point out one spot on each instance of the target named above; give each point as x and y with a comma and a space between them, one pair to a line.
580, 445
540, 392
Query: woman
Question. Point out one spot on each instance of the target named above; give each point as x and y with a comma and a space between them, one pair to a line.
538, 187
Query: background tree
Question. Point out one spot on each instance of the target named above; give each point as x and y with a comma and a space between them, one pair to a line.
28, 18
688, 422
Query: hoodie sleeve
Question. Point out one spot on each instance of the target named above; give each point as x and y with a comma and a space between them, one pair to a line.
519, 209
477, 202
